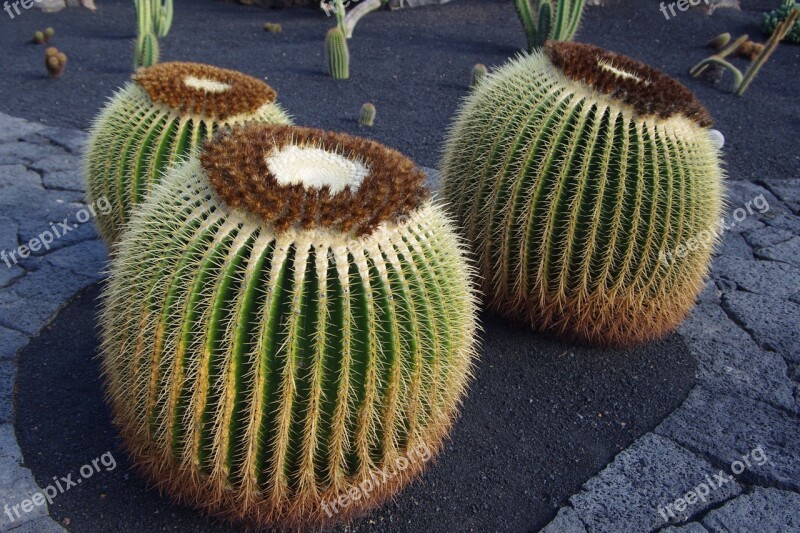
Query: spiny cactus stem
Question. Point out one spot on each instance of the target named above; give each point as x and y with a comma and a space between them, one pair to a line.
523, 8
777, 36
544, 24
576, 10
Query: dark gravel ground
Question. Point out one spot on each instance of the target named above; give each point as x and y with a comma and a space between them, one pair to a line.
542, 417
413, 64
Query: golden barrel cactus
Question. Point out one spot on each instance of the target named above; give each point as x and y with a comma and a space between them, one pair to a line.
159, 119
289, 322
576, 174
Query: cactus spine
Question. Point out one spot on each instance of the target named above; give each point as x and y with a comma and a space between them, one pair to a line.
160, 118
576, 182
263, 360
367, 115
337, 54
478, 73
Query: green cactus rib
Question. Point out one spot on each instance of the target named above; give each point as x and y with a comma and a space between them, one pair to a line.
135, 140
554, 19
337, 54
260, 375
574, 204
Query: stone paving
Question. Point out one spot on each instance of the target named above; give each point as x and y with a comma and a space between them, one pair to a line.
727, 460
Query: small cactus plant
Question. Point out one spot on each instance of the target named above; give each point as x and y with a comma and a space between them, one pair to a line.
288, 317
575, 173
41, 37
54, 61
367, 115
272, 27
337, 54
160, 118
719, 41
147, 50
478, 73
773, 18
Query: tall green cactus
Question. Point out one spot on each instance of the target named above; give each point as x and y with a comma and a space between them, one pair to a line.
589, 186
559, 23
288, 320
337, 54
147, 51
157, 120
154, 16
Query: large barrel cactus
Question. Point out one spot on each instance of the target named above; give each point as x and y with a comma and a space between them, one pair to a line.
589, 186
158, 119
288, 328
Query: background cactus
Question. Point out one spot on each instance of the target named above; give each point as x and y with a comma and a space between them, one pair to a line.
287, 317
576, 174
337, 54
154, 16
147, 51
478, 73
555, 19
367, 115
158, 119
773, 18
54, 61
272, 27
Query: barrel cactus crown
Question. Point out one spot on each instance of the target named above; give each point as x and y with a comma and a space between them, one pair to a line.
580, 177
159, 118
288, 329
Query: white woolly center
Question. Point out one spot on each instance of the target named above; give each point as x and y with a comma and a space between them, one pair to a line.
620, 73
206, 85
316, 168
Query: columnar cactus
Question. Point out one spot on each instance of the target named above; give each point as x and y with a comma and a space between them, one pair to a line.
158, 119
288, 319
479, 72
367, 115
580, 177
542, 21
148, 50
337, 53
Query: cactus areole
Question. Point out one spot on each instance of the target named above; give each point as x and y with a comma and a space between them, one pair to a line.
589, 186
289, 322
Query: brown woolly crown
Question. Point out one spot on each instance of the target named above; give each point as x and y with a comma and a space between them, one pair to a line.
199, 89
648, 90
237, 166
